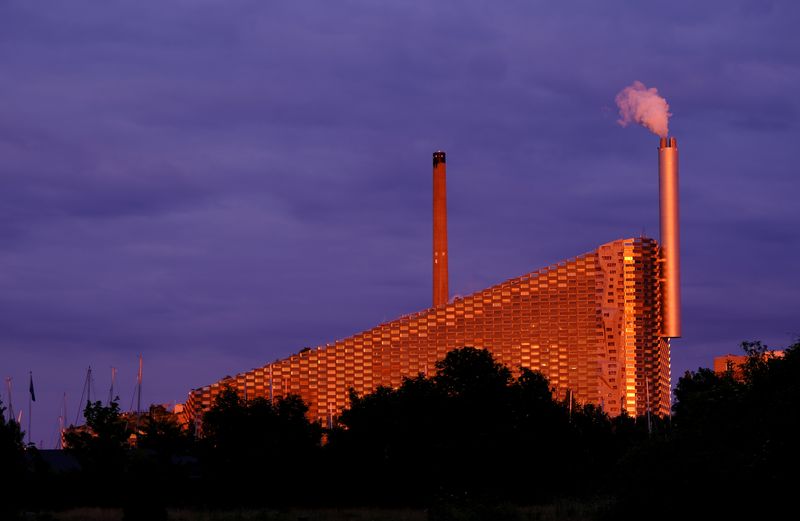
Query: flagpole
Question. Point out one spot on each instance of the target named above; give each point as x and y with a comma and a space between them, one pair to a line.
30, 407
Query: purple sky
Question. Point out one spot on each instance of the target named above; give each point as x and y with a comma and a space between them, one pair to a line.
216, 184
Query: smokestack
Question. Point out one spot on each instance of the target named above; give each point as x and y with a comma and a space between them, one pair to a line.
440, 290
670, 237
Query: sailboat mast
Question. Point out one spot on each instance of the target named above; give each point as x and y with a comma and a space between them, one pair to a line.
89, 384
138, 398
10, 401
139, 387
63, 422
113, 381
86, 386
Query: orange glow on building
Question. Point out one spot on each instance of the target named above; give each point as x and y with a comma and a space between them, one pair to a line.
593, 325
670, 236
735, 363
590, 324
441, 292
732, 363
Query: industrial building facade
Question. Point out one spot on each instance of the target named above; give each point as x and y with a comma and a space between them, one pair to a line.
597, 326
592, 325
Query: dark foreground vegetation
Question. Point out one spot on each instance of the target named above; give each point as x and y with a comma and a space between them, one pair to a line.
470, 442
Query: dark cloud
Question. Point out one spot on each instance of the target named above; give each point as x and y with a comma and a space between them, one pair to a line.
215, 184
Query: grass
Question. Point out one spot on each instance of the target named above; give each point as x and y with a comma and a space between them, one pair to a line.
350, 514
321, 514
559, 511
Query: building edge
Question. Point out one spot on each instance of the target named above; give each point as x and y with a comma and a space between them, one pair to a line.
611, 352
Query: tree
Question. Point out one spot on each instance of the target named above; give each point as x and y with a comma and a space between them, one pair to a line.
11, 445
471, 429
12, 463
161, 432
100, 445
261, 444
729, 434
471, 372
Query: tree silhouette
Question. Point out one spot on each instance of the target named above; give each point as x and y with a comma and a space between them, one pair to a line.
471, 429
100, 445
10, 437
12, 464
257, 445
460, 441
162, 433
733, 438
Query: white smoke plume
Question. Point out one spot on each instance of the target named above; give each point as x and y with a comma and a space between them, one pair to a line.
638, 104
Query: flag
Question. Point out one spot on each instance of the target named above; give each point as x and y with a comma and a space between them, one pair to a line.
30, 388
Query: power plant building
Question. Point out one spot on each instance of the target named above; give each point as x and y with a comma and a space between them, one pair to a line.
594, 325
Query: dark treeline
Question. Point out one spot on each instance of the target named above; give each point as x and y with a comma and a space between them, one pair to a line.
472, 434
470, 431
